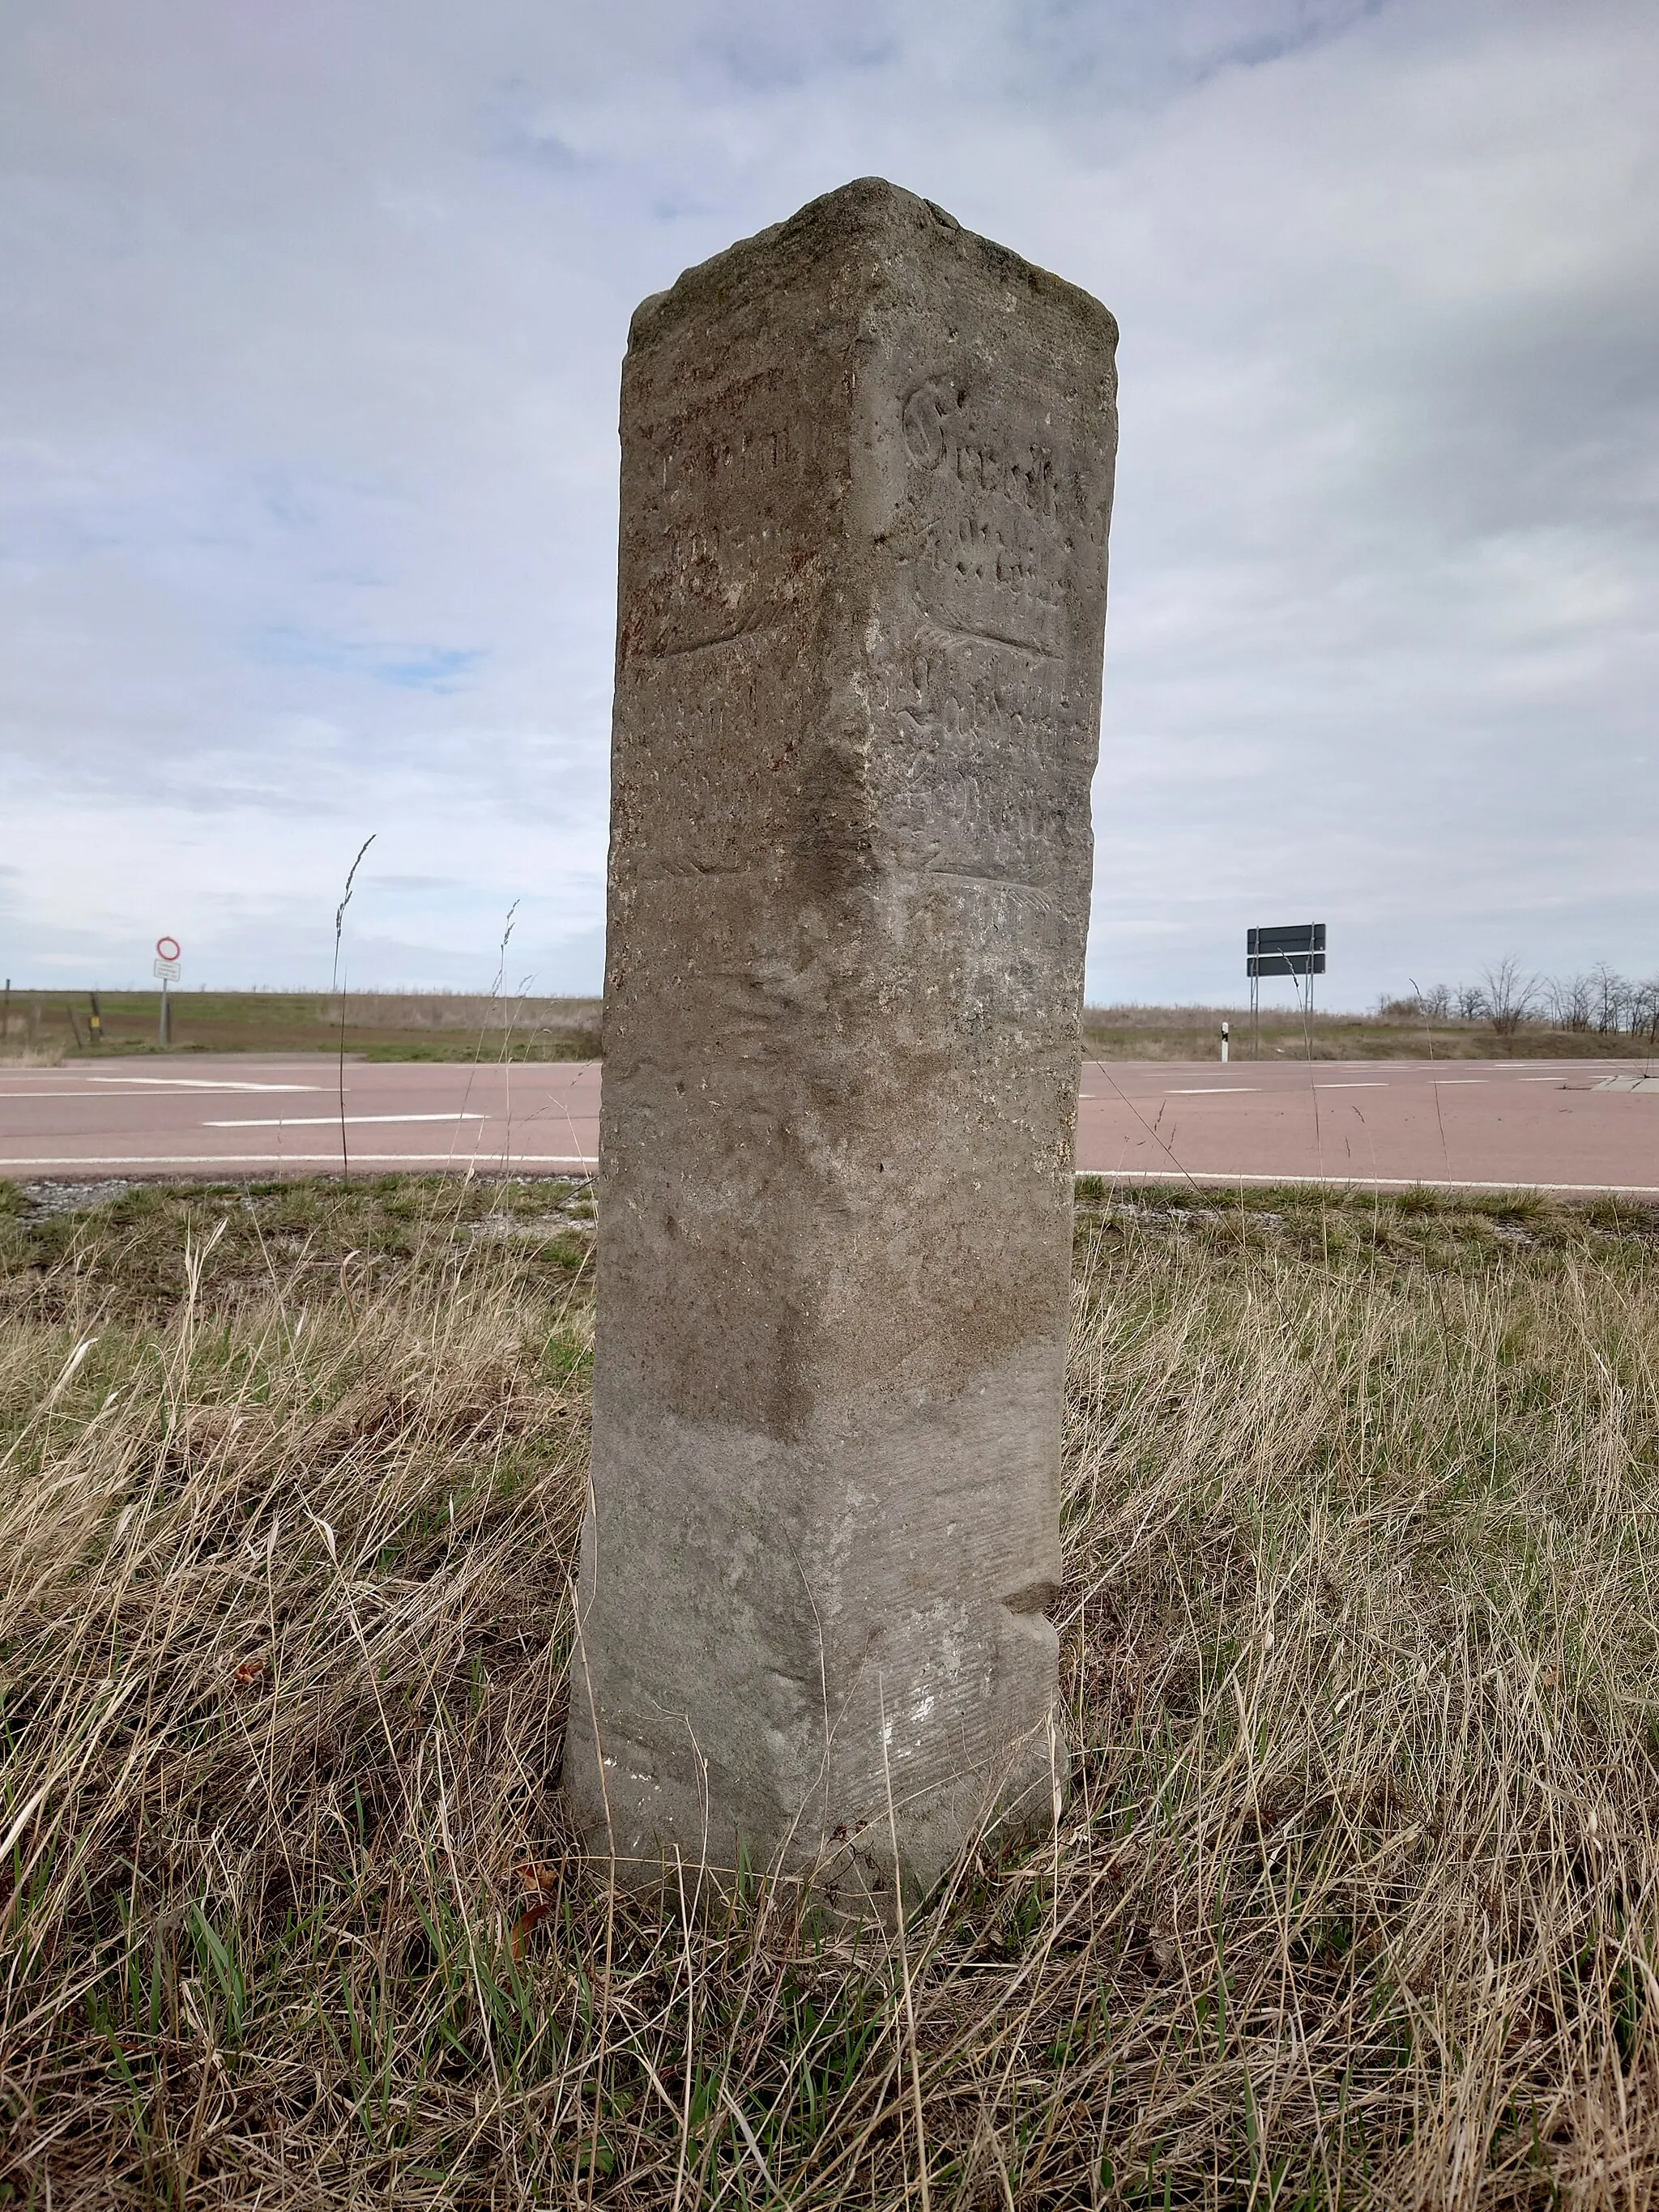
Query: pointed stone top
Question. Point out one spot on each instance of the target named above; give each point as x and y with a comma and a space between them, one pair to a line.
867, 207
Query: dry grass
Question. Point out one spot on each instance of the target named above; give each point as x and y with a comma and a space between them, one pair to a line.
31, 1055
1194, 1033
443, 1025
1357, 1900
377, 1024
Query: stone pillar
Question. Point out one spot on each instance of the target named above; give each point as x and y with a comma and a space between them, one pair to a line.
867, 478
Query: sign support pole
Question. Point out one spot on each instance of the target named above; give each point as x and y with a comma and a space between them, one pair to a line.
1291, 949
166, 967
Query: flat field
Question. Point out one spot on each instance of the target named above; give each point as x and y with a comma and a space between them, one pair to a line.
377, 1025
1355, 1900
1194, 1033
451, 1026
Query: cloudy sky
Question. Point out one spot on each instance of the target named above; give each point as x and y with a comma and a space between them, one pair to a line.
311, 316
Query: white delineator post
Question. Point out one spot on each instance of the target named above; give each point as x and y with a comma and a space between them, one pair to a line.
867, 478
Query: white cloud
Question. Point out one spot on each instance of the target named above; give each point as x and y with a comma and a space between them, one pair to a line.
310, 323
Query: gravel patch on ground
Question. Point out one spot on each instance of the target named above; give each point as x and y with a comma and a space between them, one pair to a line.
46, 1198
502, 1227
1183, 1216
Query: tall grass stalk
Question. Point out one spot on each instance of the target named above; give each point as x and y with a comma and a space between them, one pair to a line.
337, 984
1355, 1899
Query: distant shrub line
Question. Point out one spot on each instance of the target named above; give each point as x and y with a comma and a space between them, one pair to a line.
1599, 1001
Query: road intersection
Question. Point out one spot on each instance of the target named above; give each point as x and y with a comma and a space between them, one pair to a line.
1460, 1124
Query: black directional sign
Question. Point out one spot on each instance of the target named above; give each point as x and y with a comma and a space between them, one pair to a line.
1296, 948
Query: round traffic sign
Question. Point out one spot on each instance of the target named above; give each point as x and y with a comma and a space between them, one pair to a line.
166, 948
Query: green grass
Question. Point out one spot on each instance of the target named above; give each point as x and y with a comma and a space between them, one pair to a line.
1356, 1900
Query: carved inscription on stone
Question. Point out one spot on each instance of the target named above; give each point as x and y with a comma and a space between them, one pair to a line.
723, 816
721, 475
992, 562
986, 777
997, 736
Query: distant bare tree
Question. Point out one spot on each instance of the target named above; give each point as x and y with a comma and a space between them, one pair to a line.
1598, 998
1609, 992
1433, 1004
1510, 996
1568, 1000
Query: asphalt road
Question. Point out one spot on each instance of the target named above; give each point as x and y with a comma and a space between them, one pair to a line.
246, 1115
1492, 1125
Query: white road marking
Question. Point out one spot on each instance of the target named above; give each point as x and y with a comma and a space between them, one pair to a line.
93, 1096
333, 1120
301, 1159
1363, 1182
1351, 1086
202, 1083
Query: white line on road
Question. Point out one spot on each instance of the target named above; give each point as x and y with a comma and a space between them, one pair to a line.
304, 1160
202, 1083
333, 1120
1363, 1182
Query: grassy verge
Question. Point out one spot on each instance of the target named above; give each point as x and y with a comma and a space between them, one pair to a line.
1356, 1900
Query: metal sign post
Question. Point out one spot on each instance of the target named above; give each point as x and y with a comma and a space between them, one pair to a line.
1296, 948
166, 967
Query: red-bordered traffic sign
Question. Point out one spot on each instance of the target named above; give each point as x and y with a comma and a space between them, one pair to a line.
166, 948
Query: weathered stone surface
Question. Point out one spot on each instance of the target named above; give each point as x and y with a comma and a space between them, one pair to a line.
866, 478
